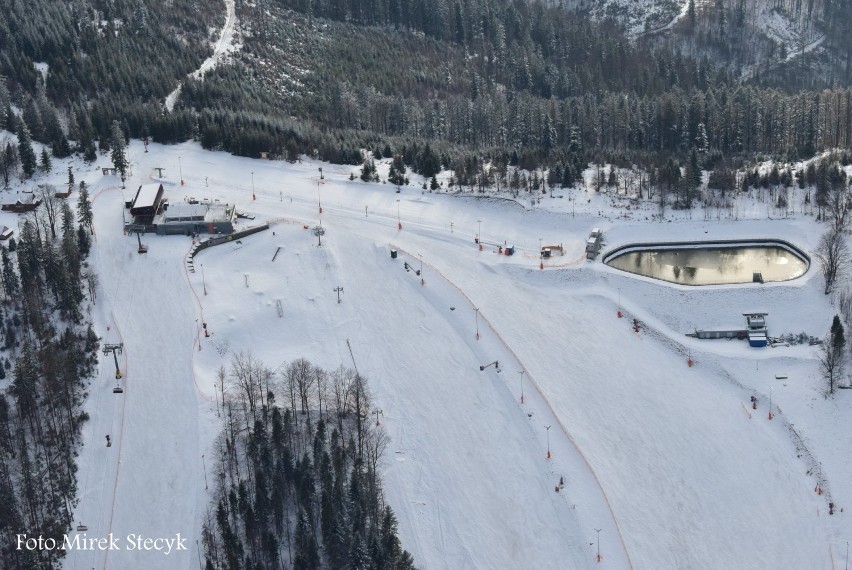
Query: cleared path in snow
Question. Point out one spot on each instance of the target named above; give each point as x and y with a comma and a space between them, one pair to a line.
149, 483
223, 46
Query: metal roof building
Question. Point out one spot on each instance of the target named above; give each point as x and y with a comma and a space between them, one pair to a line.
147, 200
183, 218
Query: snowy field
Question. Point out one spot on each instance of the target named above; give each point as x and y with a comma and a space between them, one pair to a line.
668, 461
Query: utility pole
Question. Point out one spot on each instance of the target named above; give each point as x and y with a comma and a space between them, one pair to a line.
476, 309
338, 290
548, 440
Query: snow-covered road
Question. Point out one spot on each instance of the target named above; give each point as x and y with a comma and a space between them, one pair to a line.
224, 45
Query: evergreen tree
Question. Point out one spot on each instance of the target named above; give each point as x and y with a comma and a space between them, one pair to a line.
396, 173
46, 164
84, 208
117, 144
25, 150
10, 278
838, 339
368, 171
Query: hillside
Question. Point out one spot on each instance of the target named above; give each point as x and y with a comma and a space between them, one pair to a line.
661, 456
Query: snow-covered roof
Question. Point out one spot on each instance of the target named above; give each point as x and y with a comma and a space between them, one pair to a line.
184, 211
19, 197
146, 196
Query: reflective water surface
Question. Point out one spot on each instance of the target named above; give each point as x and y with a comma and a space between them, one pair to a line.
713, 265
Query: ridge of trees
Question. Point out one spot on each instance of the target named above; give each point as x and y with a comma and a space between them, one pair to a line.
503, 82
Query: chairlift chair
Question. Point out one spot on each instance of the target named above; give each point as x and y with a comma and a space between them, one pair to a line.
118, 390
82, 528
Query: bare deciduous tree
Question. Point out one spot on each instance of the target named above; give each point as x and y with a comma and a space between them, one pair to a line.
321, 383
833, 256
249, 378
47, 193
91, 279
8, 160
300, 381
838, 207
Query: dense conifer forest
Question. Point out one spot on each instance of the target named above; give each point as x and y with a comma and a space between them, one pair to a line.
498, 82
48, 351
297, 483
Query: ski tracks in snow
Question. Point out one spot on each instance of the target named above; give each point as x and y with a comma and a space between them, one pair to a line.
566, 457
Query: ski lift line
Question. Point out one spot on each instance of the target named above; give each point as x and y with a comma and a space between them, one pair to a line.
532, 382
98, 405
120, 441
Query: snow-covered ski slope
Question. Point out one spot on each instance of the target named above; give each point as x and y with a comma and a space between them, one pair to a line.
669, 461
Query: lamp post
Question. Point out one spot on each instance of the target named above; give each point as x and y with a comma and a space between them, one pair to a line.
378, 413
320, 180
770, 403
205, 470
620, 314
476, 310
598, 557
253, 195
548, 440
398, 218
522, 385
180, 170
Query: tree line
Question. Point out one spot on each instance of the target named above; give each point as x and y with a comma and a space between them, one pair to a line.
48, 353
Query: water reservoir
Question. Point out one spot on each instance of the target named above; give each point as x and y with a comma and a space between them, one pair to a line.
713, 263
